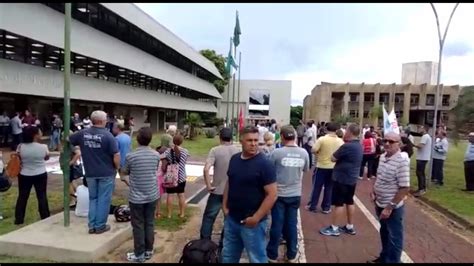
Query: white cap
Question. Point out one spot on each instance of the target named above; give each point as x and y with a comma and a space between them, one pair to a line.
471, 134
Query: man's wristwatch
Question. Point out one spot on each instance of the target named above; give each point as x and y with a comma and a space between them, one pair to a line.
393, 205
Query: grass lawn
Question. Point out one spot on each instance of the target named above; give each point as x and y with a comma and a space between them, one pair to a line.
450, 195
198, 147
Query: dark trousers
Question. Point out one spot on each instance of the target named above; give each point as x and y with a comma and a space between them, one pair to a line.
322, 178
469, 175
213, 207
284, 223
4, 131
376, 164
143, 217
24, 187
16, 140
420, 174
437, 174
310, 153
391, 235
368, 159
300, 141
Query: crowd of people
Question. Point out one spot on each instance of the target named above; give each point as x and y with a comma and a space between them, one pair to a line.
262, 179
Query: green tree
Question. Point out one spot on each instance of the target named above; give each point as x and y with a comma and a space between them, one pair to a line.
464, 113
219, 61
194, 122
296, 114
376, 113
343, 119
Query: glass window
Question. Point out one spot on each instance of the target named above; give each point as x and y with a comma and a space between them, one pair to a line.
430, 99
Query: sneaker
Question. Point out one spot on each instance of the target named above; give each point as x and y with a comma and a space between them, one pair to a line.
105, 229
308, 208
295, 260
148, 254
327, 211
91, 231
132, 258
329, 231
1, 217
377, 260
272, 261
360, 178
420, 193
347, 230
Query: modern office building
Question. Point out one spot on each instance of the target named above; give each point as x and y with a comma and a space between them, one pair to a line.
260, 100
122, 61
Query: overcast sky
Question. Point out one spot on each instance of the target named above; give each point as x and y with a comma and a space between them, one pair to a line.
310, 43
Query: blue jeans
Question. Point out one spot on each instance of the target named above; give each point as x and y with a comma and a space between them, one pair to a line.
238, 236
391, 235
100, 198
213, 206
284, 221
54, 139
322, 177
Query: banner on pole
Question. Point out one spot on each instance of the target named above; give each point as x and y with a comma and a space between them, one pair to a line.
390, 123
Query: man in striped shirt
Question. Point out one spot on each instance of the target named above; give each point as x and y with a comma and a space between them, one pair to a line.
141, 166
390, 188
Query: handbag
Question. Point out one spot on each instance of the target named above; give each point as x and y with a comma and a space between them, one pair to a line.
170, 179
14, 166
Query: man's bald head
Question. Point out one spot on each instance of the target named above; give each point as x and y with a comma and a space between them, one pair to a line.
393, 136
391, 143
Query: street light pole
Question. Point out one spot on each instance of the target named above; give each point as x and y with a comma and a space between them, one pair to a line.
65, 154
440, 57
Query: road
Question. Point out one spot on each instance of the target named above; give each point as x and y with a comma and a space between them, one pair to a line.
427, 238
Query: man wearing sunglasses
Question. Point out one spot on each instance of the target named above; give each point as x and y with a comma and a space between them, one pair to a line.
390, 188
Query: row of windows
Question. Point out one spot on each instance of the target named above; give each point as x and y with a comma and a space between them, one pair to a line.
19, 48
104, 20
399, 98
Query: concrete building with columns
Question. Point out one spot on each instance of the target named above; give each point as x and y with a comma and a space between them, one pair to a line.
413, 104
122, 61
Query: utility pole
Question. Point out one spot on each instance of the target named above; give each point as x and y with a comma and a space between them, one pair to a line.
440, 57
238, 96
67, 110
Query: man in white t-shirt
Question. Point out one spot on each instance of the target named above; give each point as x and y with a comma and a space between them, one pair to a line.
422, 157
82, 200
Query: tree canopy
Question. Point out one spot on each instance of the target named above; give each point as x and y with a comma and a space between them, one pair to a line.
219, 61
296, 114
464, 113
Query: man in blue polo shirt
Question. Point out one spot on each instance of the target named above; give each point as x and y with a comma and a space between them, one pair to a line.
101, 159
249, 196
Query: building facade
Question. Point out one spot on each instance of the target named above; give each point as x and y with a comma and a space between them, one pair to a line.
259, 100
122, 61
413, 104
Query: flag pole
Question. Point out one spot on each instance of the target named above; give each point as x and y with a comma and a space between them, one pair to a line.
67, 111
228, 90
233, 94
238, 94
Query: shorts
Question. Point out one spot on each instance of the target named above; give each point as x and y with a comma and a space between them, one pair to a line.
342, 194
179, 189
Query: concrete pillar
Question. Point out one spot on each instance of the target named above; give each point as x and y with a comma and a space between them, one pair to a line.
361, 106
406, 105
180, 118
376, 102
153, 118
346, 98
391, 98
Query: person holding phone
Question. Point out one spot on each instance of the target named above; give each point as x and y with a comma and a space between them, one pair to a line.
390, 188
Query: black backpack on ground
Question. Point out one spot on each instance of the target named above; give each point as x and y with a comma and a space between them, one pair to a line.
200, 251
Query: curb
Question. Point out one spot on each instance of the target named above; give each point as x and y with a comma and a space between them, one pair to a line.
453, 217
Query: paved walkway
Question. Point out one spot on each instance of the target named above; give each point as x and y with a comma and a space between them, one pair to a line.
426, 239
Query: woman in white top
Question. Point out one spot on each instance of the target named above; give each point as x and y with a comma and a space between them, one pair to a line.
33, 156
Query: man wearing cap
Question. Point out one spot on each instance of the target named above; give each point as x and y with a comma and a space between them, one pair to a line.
219, 158
469, 164
290, 162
